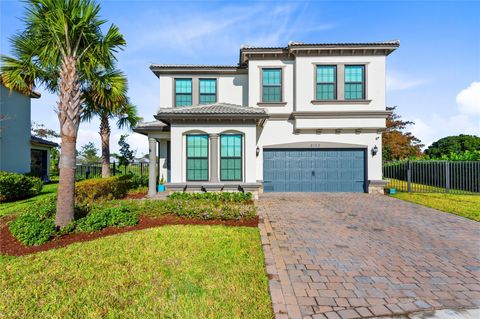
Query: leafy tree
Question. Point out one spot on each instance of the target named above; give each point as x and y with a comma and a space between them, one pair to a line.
453, 144
39, 130
398, 144
89, 153
54, 160
126, 154
62, 47
107, 99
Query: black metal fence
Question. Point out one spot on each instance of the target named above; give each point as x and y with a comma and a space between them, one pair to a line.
85, 171
462, 177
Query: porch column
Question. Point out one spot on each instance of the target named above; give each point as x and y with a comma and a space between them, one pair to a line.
152, 169
214, 158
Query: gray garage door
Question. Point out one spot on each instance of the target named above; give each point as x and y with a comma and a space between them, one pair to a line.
314, 170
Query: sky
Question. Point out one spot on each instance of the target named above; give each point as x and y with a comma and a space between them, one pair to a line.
433, 78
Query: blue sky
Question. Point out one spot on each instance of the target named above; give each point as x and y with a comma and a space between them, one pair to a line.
433, 78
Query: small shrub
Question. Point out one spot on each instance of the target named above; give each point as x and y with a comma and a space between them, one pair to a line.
222, 196
101, 189
99, 218
15, 186
138, 181
37, 225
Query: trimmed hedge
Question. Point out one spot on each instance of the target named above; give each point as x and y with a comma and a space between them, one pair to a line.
101, 189
196, 208
15, 186
217, 197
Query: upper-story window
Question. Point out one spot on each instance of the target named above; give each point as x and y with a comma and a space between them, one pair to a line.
354, 82
183, 92
271, 85
326, 82
208, 91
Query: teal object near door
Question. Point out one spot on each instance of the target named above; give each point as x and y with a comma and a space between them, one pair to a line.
314, 170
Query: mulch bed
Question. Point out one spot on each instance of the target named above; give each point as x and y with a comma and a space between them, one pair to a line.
135, 196
9, 245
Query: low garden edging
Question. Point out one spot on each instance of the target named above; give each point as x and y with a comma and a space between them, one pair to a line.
34, 230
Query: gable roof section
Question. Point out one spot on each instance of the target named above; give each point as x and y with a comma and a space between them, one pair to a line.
225, 111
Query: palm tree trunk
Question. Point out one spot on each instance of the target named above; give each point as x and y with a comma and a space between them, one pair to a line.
69, 110
105, 137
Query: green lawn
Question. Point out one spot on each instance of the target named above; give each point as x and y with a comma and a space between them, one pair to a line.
463, 205
165, 272
19, 206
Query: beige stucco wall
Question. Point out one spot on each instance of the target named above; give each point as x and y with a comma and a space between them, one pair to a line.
231, 88
178, 148
15, 131
305, 76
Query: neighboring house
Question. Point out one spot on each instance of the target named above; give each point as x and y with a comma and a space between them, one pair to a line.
20, 152
300, 118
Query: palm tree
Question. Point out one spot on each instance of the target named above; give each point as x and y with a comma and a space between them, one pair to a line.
107, 99
62, 47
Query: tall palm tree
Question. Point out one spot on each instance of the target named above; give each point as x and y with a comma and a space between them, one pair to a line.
107, 99
62, 47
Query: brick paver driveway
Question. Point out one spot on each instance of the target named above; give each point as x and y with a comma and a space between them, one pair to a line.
360, 255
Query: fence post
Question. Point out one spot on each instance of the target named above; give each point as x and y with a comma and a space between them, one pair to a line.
114, 168
409, 177
141, 169
447, 176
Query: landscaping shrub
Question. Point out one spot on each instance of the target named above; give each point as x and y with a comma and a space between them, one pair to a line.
138, 181
101, 189
223, 196
37, 225
196, 208
100, 217
15, 186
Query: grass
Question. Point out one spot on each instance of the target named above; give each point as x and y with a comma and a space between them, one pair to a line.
166, 272
463, 205
16, 207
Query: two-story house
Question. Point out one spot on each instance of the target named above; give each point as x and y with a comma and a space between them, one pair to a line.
300, 118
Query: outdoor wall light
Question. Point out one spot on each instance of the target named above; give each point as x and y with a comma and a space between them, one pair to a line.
374, 150
258, 150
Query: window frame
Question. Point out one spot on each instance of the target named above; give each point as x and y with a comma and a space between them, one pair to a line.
175, 91
335, 82
209, 94
363, 83
196, 158
281, 69
231, 157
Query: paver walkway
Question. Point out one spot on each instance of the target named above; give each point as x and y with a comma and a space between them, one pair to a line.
359, 255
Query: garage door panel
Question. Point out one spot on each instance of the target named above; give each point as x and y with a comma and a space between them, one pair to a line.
314, 170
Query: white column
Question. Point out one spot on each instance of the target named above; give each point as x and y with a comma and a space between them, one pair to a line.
152, 170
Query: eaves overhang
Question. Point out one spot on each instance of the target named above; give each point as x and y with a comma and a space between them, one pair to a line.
171, 69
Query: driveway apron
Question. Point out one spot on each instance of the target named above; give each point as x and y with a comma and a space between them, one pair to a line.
346, 255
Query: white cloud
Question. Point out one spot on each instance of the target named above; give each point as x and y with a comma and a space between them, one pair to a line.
468, 100
397, 81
